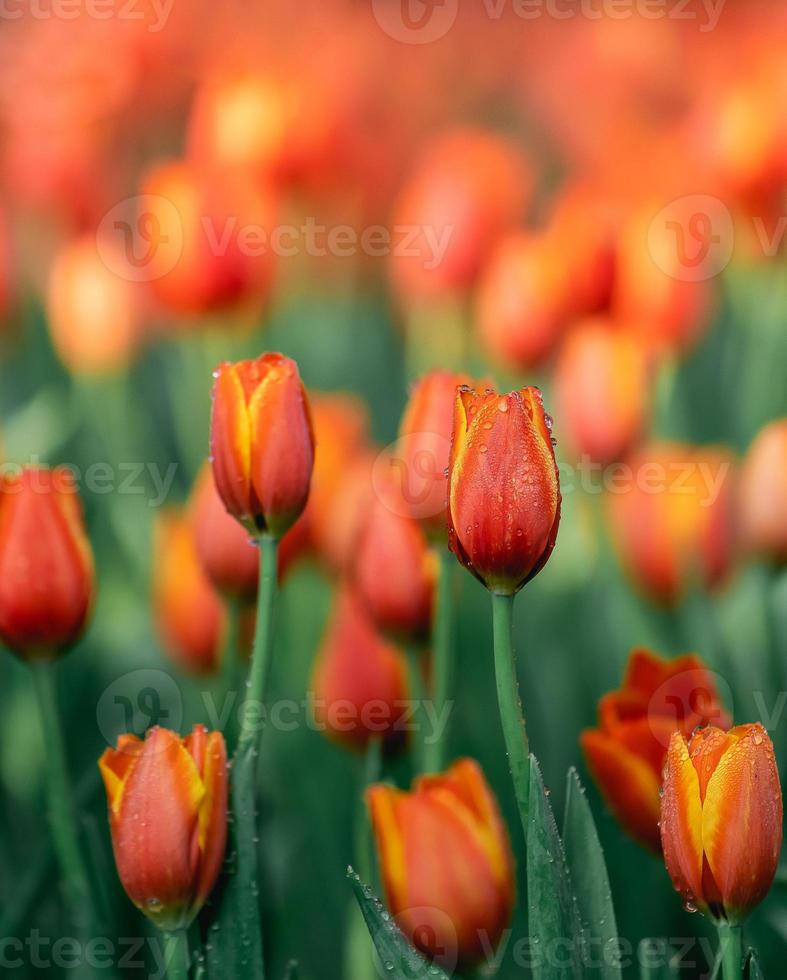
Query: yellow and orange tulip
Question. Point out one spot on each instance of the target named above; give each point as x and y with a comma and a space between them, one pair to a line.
446, 863
167, 801
762, 493
721, 819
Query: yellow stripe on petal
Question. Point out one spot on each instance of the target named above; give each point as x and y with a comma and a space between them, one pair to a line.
681, 821
382, 801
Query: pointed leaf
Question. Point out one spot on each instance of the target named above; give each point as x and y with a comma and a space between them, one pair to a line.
400, 961
556, 940
589, 877
752, 970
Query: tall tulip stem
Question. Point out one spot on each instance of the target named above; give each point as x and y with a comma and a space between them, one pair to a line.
731, 951
510, 703
62, 815
418, 717
434, 752
176, 954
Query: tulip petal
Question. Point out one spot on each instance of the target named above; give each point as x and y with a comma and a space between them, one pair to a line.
115, 766
681, 822
230, 437
384, 808
212, 827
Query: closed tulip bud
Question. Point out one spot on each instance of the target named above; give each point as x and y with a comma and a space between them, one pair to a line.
424, 449
672, 521
187, 609
262, 446
359, 684
602, 381
721, 819
225, 551
762, 493
393, 568
93, 310
503, 487
446, 864
523, 301
626, 752
46, 563
167, 801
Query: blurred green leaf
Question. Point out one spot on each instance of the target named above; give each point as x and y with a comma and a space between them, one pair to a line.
658, 969
291, 973
400, 961
589, 877
556, 938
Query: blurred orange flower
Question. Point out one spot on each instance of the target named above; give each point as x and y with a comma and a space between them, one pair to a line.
763, 492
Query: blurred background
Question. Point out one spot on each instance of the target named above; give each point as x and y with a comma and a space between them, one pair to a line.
586, 196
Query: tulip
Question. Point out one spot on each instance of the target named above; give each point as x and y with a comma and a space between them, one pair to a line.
46, 563
446, 863
167, 801
672, 519
227, 555
188, 611
721, 819
523, 301
424, 449
762, 493
93, 310
359, 682
393, 568
503, 487
602, 382
261, 442
626, 752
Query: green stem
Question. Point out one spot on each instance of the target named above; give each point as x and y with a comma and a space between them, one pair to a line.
230, 667
731, 951
263, 638
417, 695
442, 652
62, 815
176, 954
511, 716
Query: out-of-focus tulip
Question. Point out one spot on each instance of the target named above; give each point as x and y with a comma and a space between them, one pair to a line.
46, 563
359, 682
672, 518
187, 608
225, 551
204, 240
393, 568
468, 189
721, 819
626, 752
424, 448
503, 487
335, 538
5, 270
602, 389
93, 310
523, 300
262, 446
660, 289
763, 492
446, 863
168, 818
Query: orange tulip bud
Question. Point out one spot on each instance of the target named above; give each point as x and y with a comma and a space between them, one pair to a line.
167, 801
763, 490
523, 300
672, 519
261, 442
188, 611
359, 682
503, 487
602, 382
424, 449
393, 568
721, 819
446, 863
225, 551
46, 563
93, 311
626, 752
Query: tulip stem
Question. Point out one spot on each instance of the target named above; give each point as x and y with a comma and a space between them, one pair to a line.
176, 954
263, 639
731, 951
230, 666
434, 752
512, 717
418, 715
62, 815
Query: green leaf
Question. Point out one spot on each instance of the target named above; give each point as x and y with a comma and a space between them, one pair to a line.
589, 877
556, 939
656, 961
400, 961
752, 969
